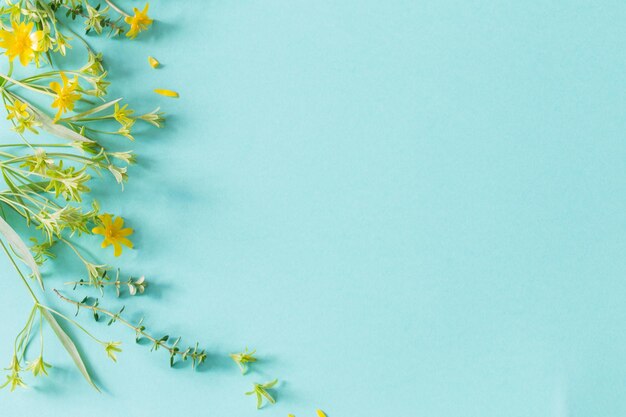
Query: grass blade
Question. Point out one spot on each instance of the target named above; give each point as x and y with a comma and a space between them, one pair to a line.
69, 345
20, 248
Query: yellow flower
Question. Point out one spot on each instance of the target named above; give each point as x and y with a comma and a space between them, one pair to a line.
14, 381
21, 42
18, 110
66, 95
320, 413
166, 93
111, 348
123, 115
39, 366
114, 233
139, 22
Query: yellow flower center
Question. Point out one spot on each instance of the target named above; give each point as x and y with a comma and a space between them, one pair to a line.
110, 233
22, 41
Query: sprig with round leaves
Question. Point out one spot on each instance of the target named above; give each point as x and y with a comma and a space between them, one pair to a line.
133, 285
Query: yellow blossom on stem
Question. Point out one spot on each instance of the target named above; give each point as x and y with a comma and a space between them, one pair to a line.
66, 95
139, 22
18, 110
14, 381
21, 42
123, 115
111, 349
114, 233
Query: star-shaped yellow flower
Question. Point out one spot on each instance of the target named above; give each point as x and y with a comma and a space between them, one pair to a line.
21, 41
114, 233
66, 95
18, 110
139, 22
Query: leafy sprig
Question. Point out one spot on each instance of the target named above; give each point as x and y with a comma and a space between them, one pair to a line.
170, 345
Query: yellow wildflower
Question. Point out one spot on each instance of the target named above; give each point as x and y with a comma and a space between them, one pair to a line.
66, 95
114, 233
17, 111
166, 93
14, 381
62, 43
320, 413
38, 366
139, 22
111, 348
21, 42
153, 62
123, 115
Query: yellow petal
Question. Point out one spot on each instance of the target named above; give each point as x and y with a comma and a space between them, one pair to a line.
118, 223
320, 413
153, 62
98, 230
117, 249
125, 232
106, 219
125, 242
55, 86
166, 93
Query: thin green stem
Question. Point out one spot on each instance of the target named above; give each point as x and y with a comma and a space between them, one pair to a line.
30, 290
117, 9
74, 322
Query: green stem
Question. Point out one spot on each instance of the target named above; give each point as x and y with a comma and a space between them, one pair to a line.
30, 290
74, 322
117, 9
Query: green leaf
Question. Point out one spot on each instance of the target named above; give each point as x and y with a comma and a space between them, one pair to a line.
58, 129
271, 384
21, 249
69, 345
92, 110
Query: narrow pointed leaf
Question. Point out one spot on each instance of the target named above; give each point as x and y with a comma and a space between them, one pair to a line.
58, 129
20, 247
92, 111
69, 345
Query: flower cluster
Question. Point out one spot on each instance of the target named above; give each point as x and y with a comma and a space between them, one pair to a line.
48, 182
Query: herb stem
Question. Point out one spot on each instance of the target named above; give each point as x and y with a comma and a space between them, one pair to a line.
117, 9
30, 290
139, 331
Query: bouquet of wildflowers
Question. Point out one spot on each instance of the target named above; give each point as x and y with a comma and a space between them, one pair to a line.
62, 123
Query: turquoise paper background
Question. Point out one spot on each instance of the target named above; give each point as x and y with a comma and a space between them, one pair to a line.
410, 208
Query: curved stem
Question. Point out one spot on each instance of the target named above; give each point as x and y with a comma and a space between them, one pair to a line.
117, 9
74, 322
